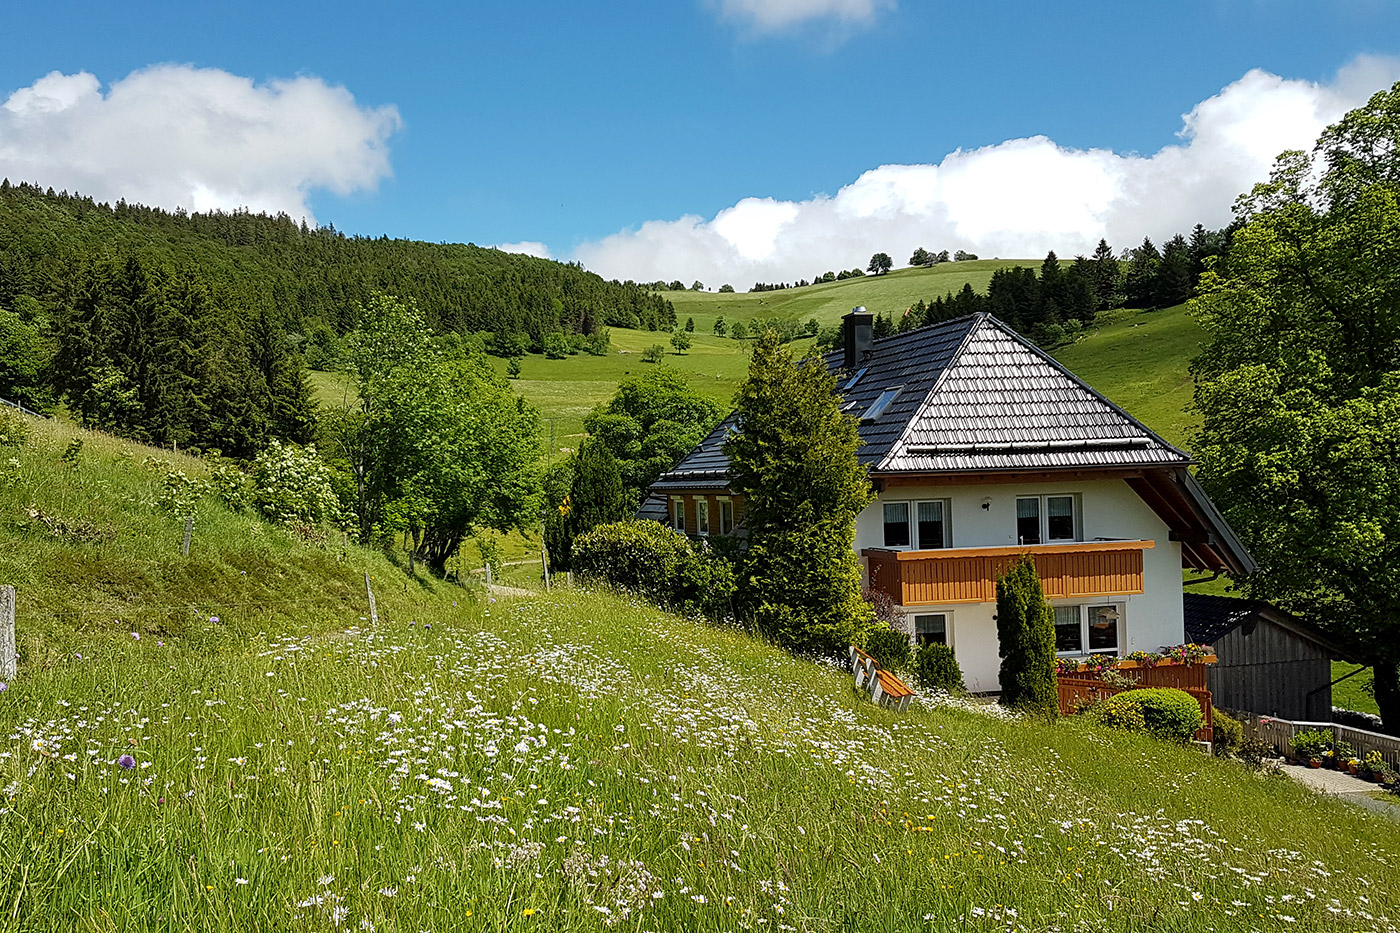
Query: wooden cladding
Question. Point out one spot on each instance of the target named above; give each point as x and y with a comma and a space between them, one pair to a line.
1087, 569
692, 518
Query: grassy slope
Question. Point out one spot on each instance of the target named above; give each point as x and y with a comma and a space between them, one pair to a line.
476, 773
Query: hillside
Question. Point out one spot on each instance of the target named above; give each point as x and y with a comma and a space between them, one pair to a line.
569, 762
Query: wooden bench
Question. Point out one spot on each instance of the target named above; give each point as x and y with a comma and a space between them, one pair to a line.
884, 688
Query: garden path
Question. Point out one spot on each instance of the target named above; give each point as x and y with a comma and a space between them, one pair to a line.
1326, 781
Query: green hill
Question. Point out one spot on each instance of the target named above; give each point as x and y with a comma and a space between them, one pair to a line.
573, 761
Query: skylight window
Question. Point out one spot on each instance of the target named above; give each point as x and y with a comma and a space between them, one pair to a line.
850, 383
877, 407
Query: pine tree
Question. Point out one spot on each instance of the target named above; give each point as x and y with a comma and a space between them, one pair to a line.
1140, 283
1107, 277
795, 463
1026, 634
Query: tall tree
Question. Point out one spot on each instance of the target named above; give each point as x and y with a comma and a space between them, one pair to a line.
1026, 640
1140, 281
1107, 276
880, 263
795, 463
1298, 386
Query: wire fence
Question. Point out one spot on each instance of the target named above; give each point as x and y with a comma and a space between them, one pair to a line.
21, 409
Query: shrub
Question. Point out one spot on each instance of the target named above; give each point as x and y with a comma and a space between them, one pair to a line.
1164, 712
229, 483
889, 647
1312, 743
937, 668
654, 353
1228, 733
649, 558
292, 485
1026, 637
13, 431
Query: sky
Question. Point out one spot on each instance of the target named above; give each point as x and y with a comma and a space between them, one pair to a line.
714, 140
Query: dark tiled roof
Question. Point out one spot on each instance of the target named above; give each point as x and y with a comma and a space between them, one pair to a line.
654, 507
1209, 618
972, 395
1003, 404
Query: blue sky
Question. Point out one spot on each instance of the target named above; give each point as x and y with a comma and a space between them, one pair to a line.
592, 129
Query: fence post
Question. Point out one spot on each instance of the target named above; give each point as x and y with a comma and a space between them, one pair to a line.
488, 573
9, 656
544, 562
373, 608
189, 531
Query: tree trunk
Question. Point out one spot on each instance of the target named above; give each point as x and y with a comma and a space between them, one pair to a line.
1388, 695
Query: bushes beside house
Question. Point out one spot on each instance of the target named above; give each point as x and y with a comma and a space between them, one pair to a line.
889, 647
657, 562
937, 668
1026, 640
1162, 712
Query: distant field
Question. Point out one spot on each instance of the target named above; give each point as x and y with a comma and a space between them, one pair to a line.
886, 294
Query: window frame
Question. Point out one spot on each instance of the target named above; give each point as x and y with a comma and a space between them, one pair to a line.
911, 524
1084, 609
726, 514
1042, 501
678, 514
947, 627
702, 516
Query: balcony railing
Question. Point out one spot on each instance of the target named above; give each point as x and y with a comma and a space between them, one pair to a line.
1086, 569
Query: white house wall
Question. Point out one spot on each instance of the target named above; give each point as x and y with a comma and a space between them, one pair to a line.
1109, 509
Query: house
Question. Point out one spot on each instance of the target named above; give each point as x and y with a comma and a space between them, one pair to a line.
981, 447
1270, 662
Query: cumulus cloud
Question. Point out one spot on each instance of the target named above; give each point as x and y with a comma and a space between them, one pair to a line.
197, 138
1019, 198
777, 15
527, 247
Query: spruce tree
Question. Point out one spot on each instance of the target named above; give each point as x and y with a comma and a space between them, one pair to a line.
794, 461
1026, 633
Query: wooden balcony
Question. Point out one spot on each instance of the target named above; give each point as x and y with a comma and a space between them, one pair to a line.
1084, 569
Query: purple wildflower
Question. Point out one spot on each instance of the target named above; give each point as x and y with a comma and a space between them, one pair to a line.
213, 620
4, 686
126, 762
136, 635
427, 625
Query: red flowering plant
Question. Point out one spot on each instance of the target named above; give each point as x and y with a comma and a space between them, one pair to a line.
1189, 653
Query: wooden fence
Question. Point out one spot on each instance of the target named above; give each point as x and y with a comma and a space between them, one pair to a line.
1077, 690
1279, 733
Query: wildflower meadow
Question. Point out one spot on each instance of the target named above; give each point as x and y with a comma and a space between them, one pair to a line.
581, 761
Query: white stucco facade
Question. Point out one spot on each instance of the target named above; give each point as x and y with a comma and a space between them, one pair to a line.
984, 515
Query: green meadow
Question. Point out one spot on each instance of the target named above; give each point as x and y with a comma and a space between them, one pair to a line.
227, 742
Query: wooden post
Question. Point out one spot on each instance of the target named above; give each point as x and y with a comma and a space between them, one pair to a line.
189, 530
488, 573
373, 608
544, 562
9, 657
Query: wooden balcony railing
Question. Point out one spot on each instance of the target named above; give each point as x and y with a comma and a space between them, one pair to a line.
1086, 569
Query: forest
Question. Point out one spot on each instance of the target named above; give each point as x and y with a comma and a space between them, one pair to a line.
97, 287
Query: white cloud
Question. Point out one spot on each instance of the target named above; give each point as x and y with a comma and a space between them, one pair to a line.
527, 247
1020, 198
777, 15
197, 138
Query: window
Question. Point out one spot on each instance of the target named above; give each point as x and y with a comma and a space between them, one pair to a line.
933, 523
877, 407
678, 513
1087, 628
1068, 636
726, 516
702, 515
1028, 521
1103, 628
1041, 519
850, 383
1059, 518
930, 528
931, 629
897, 524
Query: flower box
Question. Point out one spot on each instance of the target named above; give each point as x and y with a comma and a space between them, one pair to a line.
1125, 665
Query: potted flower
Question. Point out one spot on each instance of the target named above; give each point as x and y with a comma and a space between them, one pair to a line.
1372, 767
1352, 765
1313, 746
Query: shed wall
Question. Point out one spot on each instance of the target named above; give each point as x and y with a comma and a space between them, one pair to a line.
1266, 669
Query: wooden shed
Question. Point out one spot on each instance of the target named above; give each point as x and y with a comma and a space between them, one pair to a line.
1271, 662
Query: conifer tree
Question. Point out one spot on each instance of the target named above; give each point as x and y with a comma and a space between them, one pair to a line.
794, 461
1026, 633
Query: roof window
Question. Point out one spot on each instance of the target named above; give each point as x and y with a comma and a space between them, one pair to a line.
851, 382
877, 407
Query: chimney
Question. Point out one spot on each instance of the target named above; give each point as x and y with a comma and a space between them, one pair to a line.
859, 328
